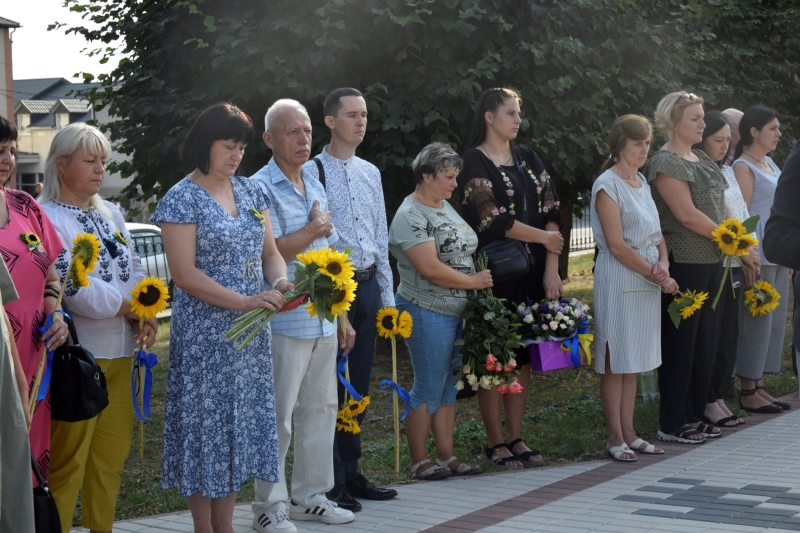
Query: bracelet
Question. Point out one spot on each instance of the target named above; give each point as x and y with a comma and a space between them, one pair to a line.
278, 280
48, 295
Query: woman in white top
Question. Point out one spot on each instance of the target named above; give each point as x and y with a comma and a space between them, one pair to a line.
761, 337
716, 142
631, 251
90, 454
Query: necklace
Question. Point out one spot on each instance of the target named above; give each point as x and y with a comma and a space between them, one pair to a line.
630, 181
762, 161
485, 151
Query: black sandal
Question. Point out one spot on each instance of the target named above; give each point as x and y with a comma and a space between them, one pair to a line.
524, 456
770, 409
708, 429
783, 405
723, 422
502, 461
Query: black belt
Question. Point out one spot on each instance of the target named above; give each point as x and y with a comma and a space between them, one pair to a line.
366, 274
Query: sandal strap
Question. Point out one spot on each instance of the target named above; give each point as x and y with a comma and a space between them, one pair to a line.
496, 446
513, 443
747, 392
446, 462
687, 431
416, 466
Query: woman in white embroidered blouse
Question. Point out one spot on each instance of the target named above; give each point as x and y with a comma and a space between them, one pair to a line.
91, 454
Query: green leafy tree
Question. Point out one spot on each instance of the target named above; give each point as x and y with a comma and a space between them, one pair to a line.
422, 65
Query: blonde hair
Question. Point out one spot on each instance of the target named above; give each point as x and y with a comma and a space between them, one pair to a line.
633, 127
74, 137
670, 110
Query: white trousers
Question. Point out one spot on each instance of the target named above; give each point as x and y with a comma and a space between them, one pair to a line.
305, 389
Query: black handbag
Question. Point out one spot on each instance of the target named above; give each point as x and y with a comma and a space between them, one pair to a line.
507, 259
78, 385
45, 512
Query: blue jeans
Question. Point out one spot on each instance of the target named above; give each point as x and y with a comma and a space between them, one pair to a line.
434, 356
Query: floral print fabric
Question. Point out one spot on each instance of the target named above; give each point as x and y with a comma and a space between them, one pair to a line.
219, 420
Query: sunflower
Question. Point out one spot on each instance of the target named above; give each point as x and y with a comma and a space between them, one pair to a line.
32, 240
312, 256
347, 424
690, 302
311, 309
77, 275
355, 407
86, 248
336, 266
386, 322
256, 213
725, 239
404, 324
761, 299
342, 298
149, 297
120, 238
734, 226
744, 244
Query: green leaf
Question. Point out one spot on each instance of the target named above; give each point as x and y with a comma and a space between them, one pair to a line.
674, 314
751, 223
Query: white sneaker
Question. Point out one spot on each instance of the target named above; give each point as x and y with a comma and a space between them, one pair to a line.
273, 521
327, 512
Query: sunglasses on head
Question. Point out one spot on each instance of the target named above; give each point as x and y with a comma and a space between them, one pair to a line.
689, 96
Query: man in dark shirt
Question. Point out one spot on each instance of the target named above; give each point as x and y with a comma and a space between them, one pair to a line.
782, 234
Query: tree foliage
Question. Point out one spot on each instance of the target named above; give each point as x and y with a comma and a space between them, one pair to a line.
422, 65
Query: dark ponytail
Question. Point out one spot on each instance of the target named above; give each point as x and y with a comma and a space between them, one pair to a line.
756, 117
491, 100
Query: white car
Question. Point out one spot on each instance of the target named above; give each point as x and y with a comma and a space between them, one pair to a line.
148, 244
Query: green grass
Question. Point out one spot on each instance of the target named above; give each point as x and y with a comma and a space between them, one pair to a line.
564, 420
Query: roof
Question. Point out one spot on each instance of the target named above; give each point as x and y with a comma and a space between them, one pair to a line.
72, 106
36, 107
33, 89
6, 23
68, 90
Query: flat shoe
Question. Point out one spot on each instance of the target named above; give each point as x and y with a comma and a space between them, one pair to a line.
769, 409
708, 429
636, 446
615, 452
681, 436
723, 422
463, 469
783, 405
432, 473
525, 456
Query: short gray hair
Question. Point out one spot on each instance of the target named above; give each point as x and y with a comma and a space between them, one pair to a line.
435, 158
277, 107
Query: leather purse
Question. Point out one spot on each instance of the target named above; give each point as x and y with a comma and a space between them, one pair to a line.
78, 385
508, 259
45, 512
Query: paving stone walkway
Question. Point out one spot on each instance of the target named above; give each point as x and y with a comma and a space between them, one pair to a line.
746, 481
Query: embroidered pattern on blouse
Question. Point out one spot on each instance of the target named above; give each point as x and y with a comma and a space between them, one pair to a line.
483, 201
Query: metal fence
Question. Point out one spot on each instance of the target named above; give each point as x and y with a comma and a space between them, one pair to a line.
581, 237
150, 248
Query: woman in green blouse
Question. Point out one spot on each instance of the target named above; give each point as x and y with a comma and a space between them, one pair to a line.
689, 191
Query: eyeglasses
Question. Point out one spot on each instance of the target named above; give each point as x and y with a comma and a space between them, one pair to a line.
690, 96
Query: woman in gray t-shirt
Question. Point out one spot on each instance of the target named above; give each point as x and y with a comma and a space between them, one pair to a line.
433, 246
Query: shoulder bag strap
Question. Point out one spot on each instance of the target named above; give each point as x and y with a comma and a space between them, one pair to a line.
321, 171
524, 179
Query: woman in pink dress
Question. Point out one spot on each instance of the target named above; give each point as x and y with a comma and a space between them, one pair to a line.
22, 223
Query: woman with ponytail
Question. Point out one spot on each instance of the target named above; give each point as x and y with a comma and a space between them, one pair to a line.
508, 194
631, 251
761, 337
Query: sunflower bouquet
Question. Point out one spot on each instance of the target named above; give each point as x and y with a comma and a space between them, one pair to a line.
148, 298
390, 323
323, 276
734, 239
685, 304
761, 298
85, 253
488, 342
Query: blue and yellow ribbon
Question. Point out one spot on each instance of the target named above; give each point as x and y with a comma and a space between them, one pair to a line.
341, 369
48, 368
581, 340
146, 361
402, 394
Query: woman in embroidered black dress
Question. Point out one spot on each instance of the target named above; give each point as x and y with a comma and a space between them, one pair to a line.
507, 194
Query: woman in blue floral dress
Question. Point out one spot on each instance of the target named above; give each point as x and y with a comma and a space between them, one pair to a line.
219, 422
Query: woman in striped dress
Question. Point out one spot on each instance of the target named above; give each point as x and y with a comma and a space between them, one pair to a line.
631, 249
